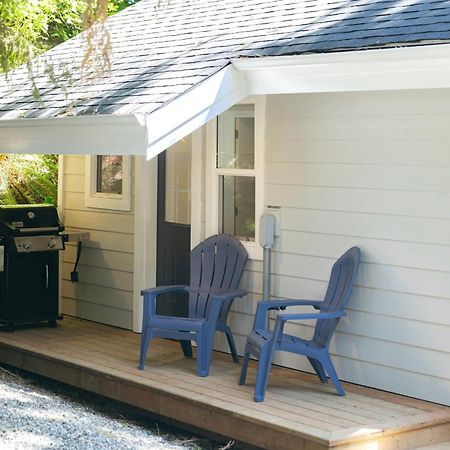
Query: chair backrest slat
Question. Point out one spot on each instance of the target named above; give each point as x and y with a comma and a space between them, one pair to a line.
216, 263
221, 263
208, 268
338, 293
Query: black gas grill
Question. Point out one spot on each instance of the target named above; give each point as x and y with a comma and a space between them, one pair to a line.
30, 241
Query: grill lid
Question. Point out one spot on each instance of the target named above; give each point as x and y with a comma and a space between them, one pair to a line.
21, 220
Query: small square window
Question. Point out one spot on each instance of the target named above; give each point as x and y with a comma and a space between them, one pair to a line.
108, 182
109, 174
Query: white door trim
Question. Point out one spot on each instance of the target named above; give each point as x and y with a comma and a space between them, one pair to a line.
145, 227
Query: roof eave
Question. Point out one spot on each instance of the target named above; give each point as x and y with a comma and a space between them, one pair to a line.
101, 134
421, 67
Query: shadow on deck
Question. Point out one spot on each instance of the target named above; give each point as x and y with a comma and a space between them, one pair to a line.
299, 412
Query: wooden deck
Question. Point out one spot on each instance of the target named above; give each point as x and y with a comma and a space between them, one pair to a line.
299, 412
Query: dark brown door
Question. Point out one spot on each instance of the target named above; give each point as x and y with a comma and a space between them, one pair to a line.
174, 229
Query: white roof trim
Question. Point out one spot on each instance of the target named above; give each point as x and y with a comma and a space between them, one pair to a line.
386, 69
122, 135
421, 67
191, 110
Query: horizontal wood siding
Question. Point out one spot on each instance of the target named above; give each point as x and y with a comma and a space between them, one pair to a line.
105, 290
373, 170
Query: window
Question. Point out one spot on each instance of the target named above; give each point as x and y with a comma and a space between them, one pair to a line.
109, 174
235, 167
108, 182
236, 194
178, 183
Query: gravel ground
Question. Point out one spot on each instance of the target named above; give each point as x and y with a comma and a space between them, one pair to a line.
36, 413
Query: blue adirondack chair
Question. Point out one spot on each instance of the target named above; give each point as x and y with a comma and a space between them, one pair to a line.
216, 267
263, 342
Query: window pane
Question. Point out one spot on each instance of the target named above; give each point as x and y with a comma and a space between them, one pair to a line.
244, 142
178, 183
236, 149
238, 206
109, 174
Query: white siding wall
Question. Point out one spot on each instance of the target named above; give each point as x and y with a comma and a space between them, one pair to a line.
198, 183
373, 170
105, 291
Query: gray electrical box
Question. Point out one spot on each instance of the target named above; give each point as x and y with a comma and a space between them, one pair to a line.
266, 230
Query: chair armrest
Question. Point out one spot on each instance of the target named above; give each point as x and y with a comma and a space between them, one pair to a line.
150, 295
283, 318
265, 305
163, 289
283, 304
322, 315
228, 294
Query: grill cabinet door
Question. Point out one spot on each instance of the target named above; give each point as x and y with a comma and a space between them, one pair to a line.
30, 287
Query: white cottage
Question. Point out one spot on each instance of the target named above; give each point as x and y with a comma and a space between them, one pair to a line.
341, 114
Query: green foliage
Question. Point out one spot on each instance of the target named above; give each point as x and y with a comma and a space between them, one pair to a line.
26, 179
30, 27
117, 5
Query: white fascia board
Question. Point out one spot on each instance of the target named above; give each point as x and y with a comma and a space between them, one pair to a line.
190, 111
95, 135
425, 67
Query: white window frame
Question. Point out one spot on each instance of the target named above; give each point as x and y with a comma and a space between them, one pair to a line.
102, 200
213, 174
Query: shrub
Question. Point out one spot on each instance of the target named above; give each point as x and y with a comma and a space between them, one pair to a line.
26, 179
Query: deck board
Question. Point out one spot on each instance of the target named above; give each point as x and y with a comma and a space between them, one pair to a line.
299, 411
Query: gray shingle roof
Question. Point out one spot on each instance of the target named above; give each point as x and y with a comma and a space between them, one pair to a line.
161, 49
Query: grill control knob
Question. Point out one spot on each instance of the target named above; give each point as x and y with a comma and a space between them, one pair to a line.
51, 243
27, 245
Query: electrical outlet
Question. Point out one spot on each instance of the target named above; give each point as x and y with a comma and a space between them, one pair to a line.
276, 212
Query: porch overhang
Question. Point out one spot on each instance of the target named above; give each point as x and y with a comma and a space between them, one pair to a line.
123, 135
419, 67
128, 134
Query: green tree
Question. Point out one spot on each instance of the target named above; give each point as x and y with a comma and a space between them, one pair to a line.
29, 28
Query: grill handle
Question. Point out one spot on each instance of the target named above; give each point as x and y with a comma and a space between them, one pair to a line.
38, 230
46, 276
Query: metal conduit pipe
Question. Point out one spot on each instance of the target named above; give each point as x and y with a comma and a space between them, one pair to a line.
266, 239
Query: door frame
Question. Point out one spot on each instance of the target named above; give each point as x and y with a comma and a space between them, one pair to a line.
145, 220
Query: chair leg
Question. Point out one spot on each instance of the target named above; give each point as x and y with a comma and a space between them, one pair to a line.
203, 357
145, 341
186, 346
318, 368
232, 345
328, 366
262, 376
244, 368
